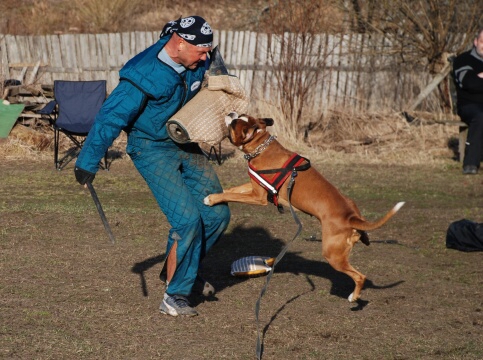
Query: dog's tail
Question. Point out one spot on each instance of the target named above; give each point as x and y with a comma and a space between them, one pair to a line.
360, 224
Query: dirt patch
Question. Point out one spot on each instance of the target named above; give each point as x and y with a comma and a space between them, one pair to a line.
66, 292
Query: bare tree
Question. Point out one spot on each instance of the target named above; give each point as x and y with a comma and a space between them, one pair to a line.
427, 32
294, 29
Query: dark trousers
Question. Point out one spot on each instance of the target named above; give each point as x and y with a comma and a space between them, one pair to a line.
472, 114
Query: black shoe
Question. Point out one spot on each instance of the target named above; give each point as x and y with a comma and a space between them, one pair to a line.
470, 170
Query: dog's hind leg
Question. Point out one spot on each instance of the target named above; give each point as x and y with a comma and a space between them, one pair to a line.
359, 280
336, 251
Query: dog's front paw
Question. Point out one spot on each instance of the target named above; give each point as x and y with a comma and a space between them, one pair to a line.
207, 201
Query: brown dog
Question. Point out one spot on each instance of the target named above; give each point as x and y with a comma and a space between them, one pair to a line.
341, 220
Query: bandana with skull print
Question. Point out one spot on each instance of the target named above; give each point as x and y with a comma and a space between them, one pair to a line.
193, 29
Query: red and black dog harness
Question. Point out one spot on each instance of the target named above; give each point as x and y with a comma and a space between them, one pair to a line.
273, 184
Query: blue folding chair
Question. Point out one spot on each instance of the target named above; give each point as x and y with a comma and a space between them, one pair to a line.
72, 113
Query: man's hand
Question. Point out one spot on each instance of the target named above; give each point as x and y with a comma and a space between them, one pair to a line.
83, 176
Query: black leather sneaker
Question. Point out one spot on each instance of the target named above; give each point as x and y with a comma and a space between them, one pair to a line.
470, 170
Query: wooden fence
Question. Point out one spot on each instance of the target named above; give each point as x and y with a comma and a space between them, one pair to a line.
351, 69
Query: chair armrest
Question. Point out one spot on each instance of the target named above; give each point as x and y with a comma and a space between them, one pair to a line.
48, 109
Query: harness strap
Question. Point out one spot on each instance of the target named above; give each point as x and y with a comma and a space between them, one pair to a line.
277, 259
294, 163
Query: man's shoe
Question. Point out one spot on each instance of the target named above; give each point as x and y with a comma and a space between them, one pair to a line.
175, 305
201, 286
470, 170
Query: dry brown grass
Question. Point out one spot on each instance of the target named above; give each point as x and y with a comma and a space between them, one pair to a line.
338, 138
383, 138
24, 143
341, 135
29, 17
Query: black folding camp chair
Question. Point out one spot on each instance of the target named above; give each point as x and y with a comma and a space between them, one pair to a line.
72, 113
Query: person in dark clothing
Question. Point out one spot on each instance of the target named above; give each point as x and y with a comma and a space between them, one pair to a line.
468, 75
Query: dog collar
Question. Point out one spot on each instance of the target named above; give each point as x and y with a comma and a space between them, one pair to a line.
260, 148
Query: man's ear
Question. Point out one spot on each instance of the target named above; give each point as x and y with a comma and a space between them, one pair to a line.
267, 121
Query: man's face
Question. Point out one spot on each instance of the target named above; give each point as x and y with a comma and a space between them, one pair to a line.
479, 44
190, 55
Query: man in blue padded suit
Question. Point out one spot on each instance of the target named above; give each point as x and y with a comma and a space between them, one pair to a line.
153, 86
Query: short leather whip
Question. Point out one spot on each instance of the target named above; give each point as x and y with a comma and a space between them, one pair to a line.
101, 212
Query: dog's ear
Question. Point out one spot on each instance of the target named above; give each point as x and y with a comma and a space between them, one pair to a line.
267, 121
230, 117
233, 115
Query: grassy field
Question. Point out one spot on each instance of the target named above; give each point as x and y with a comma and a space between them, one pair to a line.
66, 292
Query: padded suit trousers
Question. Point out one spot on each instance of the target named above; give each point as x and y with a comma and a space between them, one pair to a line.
472, 114
180, 177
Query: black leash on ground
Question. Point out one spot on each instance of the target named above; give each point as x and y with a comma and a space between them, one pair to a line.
101, 212
277, 259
